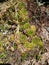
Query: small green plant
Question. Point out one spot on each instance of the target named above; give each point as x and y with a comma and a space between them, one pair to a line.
23, 13
33, 28
38, 57
36, 40
1, 43
21, 5
25, 26
24, 21
1, 46
15, 45
24, 56
29, 32
29, 45
3, 55
23, 38
2, 27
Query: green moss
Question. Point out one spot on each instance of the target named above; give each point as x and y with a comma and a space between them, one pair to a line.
29, 45
2, 46
21, 5
33, 28
23, 38
29, 32
24, 56
24, 21
1, 43
18, 16
3, 55
1, 35
25, 26
23, 13
15, 46
38, 57
7, 26
37, 41
2, 27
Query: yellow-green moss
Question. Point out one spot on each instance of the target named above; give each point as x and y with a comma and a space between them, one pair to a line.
29, 45
21, 5
29, 32
25, 26
3, 55
37, 41
23, 38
